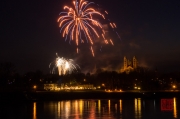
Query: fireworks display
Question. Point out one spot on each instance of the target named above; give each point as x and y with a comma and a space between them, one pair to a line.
78, 23
63, 65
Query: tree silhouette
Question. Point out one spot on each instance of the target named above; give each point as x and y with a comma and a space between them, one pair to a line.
7, 73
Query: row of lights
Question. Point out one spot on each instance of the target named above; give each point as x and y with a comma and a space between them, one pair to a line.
106, 90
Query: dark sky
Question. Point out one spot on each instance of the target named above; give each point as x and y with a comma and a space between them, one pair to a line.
149, 30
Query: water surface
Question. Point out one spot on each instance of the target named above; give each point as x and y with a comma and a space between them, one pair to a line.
135, 108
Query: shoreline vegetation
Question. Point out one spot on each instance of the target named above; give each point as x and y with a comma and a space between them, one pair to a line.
72, 95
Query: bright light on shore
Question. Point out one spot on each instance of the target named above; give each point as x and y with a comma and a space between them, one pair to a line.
174, 86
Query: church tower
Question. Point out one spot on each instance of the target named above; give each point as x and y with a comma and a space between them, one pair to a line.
129, 65
135, 63
125, 63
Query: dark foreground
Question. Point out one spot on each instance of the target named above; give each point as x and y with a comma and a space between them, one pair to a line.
70, 95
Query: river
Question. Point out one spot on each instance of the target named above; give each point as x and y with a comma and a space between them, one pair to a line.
134, 108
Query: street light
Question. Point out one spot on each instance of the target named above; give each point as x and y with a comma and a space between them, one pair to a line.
174, 86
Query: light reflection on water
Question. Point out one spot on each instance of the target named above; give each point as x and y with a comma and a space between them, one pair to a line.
120, 102
136, 108
137, 105
175, 108
34, 110
91, 109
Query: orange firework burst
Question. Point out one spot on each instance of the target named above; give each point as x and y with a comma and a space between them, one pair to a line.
78, 22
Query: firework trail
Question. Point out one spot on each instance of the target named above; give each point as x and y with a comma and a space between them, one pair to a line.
78, 23
111, 42
63, 65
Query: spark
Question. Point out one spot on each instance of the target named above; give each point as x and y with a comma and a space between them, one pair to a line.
118, 35
77, 50
106, 41
92, 51
106, 12
103, 36
111, 42
111, 25
114, 25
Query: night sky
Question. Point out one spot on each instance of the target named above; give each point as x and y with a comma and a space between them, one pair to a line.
149, 29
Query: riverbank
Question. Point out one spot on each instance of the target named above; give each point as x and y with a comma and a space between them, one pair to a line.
71, 95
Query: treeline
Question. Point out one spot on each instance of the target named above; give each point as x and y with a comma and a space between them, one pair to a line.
144, 79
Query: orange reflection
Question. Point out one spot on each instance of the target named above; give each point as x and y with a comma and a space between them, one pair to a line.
76, 109
81, 105
59, 109
109, 105
120, 101
99, 106
175, 109
67, 108
62, 103
92, 110
34, 110
137, 105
